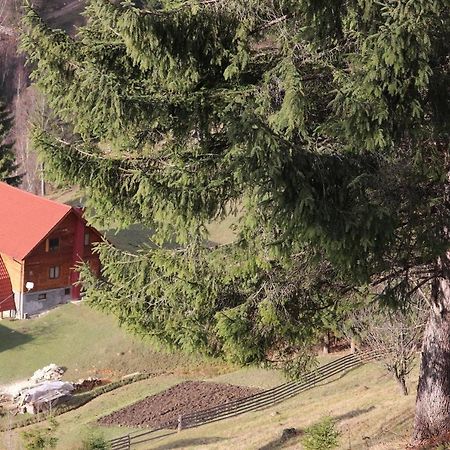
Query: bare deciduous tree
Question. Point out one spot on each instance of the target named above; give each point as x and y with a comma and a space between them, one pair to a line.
397, 334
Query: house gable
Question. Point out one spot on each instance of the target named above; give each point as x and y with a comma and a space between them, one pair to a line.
41, 244
25, 220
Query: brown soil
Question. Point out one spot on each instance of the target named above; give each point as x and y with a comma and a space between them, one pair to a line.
163, 409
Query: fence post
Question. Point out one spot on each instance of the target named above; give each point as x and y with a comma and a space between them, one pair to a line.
180, 423
128, 441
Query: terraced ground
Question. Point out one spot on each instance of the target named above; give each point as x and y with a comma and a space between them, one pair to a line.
163, 409
366, 403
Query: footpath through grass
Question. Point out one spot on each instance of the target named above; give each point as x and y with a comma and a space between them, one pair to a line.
87, 343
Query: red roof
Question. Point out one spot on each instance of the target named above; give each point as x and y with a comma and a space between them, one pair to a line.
6, 293
25, 219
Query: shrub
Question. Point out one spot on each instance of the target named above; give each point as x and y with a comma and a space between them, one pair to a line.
41, 438
321, 436
95, 441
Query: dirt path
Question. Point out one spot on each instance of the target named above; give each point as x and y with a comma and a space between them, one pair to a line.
163, 409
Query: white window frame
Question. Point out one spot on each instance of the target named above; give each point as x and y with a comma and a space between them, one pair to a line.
54, 272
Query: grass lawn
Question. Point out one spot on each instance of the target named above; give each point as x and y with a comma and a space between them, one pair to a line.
88, 343
134, 236
366, 402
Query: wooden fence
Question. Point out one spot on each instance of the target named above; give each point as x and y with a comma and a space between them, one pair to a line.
254, 402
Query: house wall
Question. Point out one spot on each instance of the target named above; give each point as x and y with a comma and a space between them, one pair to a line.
32, 305
38, 262
36, 269
7, 305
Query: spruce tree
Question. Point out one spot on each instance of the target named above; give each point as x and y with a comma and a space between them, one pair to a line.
324, 124
8, 167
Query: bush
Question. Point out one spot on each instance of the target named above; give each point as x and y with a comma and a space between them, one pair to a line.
41, 438
322, 435
95, 441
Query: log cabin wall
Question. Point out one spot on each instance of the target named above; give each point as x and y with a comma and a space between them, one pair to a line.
41, 243
42, 258
89, 256
7, 297
50, 288
39, 262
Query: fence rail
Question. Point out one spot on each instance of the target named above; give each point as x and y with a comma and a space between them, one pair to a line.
254, 402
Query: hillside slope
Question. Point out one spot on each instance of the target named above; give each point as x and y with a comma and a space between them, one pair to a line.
87, 343
369, 410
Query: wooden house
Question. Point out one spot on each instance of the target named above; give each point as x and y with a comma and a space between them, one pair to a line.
41, 243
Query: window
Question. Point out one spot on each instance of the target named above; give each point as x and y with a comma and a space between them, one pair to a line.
42, 296
52, 245
87, 239
53, 272
67, 291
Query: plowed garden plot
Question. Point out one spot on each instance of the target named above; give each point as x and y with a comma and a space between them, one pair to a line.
163, 409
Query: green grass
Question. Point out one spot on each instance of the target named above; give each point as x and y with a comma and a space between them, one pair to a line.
221, 231
366, 403
131, 238
88, 343
252, 377
134, 236
69, 196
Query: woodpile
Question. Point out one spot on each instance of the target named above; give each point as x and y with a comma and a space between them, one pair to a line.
87, 384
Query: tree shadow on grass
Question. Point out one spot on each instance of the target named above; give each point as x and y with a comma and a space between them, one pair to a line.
391, 429
337, 377
354, 413
290, 434
183, 443
287, 436
44, 330
10, 339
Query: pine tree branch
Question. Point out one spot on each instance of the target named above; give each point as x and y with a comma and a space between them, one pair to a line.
184, 5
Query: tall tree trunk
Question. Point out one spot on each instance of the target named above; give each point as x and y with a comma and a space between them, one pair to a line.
326, 344
352, 345
433, 392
